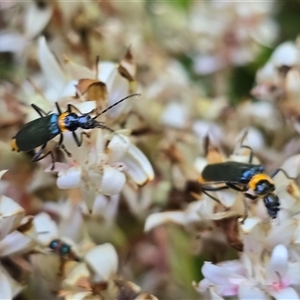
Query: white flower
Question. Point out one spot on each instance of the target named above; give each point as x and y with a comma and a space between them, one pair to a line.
281, 275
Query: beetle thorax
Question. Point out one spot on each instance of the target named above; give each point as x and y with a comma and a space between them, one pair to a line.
72, 122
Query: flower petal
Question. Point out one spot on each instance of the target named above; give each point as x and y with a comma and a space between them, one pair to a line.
139, 167
103, 260
217, 275
157, 219
5, 288
291, 166
51, 69
16, 243
118, 88
293, 273
278, 264
283, 234
285, 294
11, 215
248, 292
75, 275
70, 178
175, 115
110, 182
36, 19
80, 296
106, 68
76, 71
46, 228
117, 147
12, 42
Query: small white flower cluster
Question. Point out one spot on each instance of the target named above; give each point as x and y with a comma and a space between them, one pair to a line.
270, 250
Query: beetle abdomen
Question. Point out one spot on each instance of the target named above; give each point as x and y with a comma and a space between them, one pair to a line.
37, 133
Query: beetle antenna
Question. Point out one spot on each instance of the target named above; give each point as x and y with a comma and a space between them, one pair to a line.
101, 125
115, 104
97, 66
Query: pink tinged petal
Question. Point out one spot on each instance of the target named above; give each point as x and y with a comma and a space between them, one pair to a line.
278, 265
218, 275
287, 293
247, 292
16, 243
36, 19
103, 260
11, 215
139, 167
51, 69
69, 179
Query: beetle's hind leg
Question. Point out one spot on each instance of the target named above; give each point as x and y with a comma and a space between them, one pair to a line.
62, 146
38, 156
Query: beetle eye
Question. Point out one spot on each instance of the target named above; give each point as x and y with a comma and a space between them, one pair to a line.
65, 249
53, 244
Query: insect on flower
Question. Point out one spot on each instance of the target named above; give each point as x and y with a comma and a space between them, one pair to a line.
242, 177
40, 131
63, 250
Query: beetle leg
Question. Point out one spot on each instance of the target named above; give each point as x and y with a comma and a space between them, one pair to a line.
214, 189
62, 146
39, 110
251, 153
236, 188
38, 156
210, 196
245, 211
58, 108
77, 140
283, 171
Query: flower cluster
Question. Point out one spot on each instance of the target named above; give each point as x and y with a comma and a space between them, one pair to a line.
75, 227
